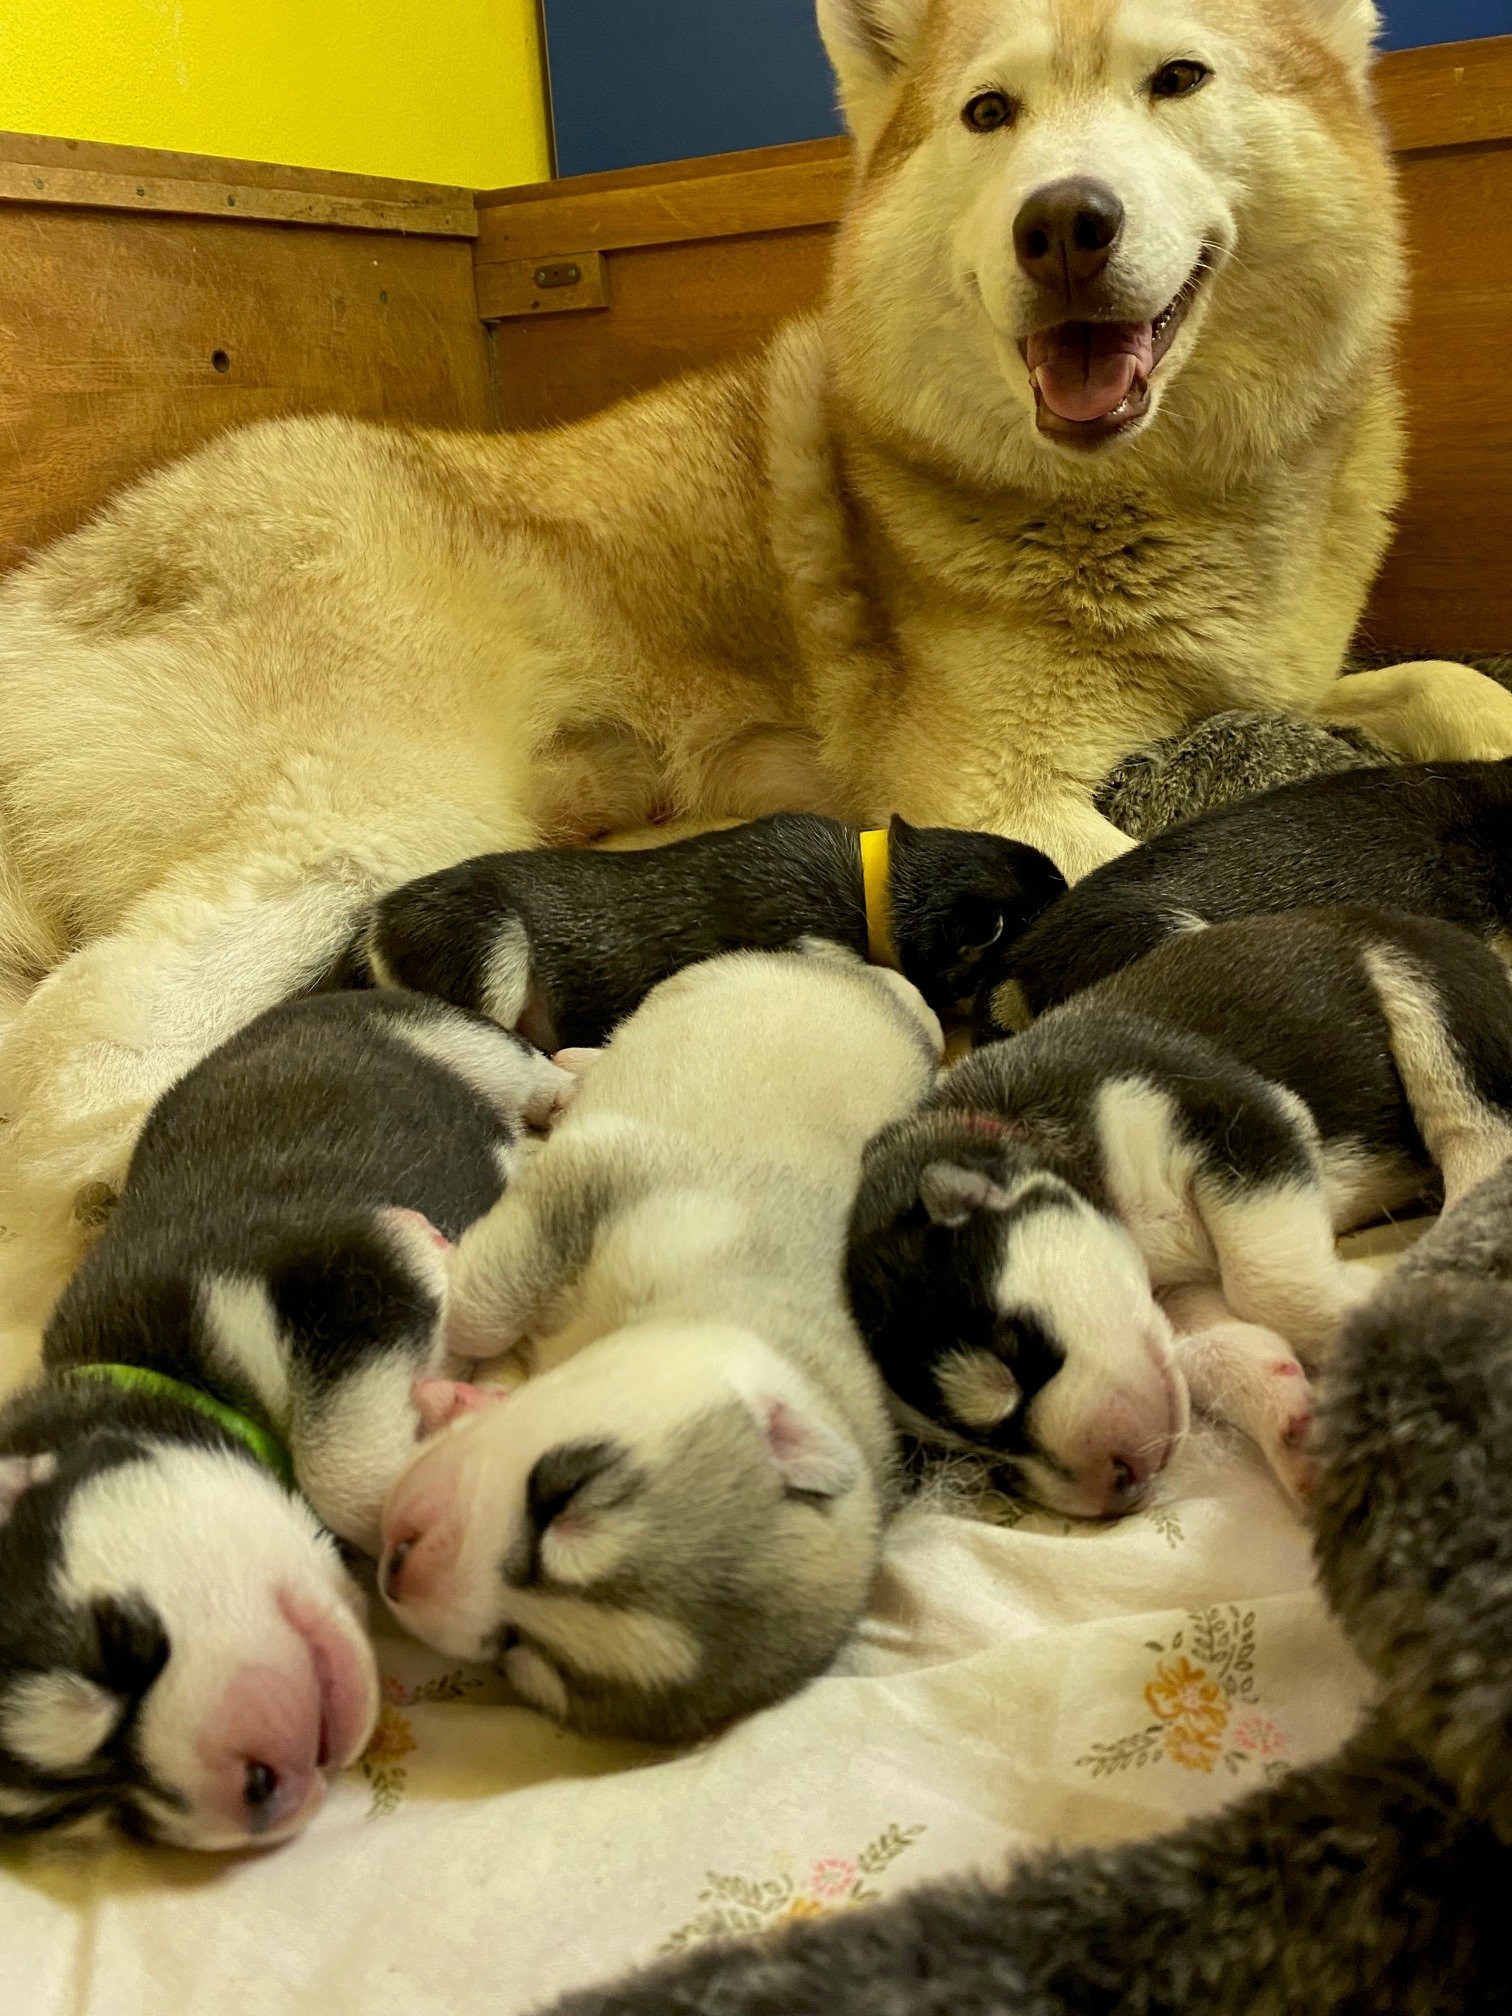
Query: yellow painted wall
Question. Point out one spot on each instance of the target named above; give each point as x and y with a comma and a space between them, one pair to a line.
440, 90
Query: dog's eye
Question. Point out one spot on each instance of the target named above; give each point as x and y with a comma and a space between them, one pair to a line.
1178, 80
987, 111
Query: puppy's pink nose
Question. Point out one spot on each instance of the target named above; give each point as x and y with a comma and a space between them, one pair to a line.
1127, 1482
263, 1746
418, 1561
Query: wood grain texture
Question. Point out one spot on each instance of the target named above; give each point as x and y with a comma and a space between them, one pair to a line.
130, 339
706, 257
101, 157
672, 308
509, 287
1458, 94
88, 188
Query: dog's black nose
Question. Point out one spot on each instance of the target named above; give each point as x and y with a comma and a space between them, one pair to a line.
1066, 232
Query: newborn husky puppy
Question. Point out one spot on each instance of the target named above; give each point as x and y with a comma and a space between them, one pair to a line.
562, 943
1201, 1124
181, 1651
677, 1520
1431, 838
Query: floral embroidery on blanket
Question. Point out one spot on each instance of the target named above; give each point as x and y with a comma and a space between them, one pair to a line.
394, 1739
1202, 1681
736, 1906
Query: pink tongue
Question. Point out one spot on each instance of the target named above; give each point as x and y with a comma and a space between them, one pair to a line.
1085, 370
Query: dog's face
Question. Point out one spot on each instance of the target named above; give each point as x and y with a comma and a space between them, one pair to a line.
1067, 207
657, 1535
181, 1652
1011, 1317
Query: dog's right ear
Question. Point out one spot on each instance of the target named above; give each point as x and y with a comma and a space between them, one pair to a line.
951, 1194
869, 43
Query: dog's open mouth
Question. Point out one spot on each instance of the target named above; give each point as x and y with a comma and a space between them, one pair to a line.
1092, 379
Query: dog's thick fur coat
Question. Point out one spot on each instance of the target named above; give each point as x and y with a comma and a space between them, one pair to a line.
852, 574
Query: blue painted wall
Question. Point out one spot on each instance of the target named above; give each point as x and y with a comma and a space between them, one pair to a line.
654, 80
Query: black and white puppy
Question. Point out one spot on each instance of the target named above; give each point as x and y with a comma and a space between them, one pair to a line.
181, 1649
563, 943
1434, 839
1199, 1127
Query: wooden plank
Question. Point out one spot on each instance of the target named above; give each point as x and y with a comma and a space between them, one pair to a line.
674, 307
90, 188
1447, 585
792, 195
104, 158
558, 285
131, 339
1458, 94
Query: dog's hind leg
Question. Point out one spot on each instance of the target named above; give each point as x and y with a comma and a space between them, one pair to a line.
1276, 1256
108, 1031
223, 937
1451, 1039
1247, 1376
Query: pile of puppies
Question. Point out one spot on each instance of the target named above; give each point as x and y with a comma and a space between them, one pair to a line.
716, 1264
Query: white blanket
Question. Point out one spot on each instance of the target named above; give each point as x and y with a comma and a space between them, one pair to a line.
1013, 1687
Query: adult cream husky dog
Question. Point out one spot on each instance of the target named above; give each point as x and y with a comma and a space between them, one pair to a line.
1095, 435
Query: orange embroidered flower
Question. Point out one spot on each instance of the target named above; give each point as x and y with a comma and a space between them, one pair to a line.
394, 1690
1193, 1749
391, 1740
1182, 1692
804, 1907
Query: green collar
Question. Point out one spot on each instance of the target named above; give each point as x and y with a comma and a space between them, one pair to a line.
264, 1445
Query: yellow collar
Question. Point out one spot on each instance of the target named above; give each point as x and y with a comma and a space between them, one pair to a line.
874, 880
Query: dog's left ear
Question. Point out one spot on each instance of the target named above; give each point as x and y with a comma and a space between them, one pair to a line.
1350, 28
870, 43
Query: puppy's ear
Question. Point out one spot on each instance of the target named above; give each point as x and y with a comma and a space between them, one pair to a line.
870, 43
1350, 28
17, 1476
951, 1195
812, 1460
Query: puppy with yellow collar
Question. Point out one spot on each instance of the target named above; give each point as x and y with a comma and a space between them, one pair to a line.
563, 943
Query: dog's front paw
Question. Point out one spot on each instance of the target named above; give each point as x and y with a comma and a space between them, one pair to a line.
1431, 711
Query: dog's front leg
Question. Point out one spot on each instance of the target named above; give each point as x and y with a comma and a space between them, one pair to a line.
1430, 711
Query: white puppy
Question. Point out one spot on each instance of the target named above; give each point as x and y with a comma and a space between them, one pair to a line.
678, 1520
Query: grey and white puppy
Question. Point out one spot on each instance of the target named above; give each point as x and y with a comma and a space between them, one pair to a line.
676, 1519
181, 1649
563, 943
1201, 1125
1431, 838
1376, 1881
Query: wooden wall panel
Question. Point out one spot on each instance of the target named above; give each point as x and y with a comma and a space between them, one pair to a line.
704, 258
131, 336
671, 309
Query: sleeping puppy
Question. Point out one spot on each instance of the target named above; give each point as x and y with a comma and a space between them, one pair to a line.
1431, 838
563, 943
181, 1650
1198, 1127
676, 1520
